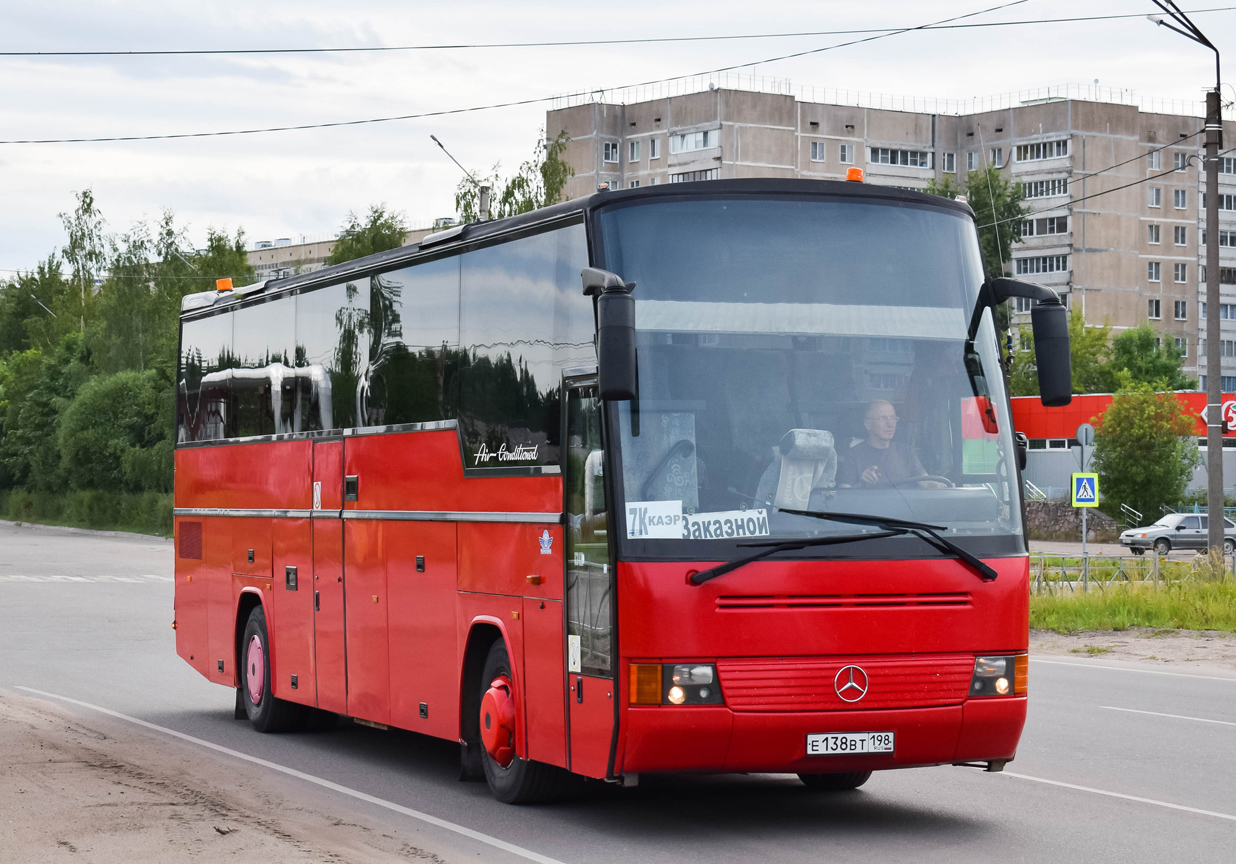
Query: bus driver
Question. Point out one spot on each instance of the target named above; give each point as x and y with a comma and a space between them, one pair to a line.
881, 462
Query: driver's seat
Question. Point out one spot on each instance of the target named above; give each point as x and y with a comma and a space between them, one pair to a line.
804, 460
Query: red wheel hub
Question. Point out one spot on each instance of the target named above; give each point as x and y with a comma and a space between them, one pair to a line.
498, 721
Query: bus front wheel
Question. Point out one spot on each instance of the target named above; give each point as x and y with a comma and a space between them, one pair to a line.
511, 779
835, 782
265, 712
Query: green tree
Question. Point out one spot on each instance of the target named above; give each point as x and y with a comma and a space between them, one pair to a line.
86, 253
381, 229
1144, 450
112, 435
1090, 354
538, 182
1148, 358
27, 304
998, 208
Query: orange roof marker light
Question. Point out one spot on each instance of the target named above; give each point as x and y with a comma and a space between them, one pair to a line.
223, 284
855, 174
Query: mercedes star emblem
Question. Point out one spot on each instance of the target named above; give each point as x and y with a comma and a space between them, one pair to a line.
851, 683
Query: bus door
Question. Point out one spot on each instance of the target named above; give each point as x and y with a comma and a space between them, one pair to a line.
328, 609
591, 691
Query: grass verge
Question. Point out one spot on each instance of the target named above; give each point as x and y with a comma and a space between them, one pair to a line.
1192, 605
140, 513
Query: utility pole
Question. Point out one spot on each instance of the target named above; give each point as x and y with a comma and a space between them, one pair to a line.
1214, 373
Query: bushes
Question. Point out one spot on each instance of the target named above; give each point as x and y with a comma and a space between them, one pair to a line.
146, 512
110, 435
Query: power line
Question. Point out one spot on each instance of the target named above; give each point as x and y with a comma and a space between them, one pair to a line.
509, 104
573, 42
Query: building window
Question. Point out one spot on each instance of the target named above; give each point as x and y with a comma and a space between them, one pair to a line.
847, 154
1180, 272
690, 176
1154, 196
632, 151
1181, 310
633, 184
1022, 304
1044, 188
1181, 235
971, 161
1050, 225
817, 151
1180, 197
1154, 271
950, 163
908, 158
997, 156
654, 148
1154, 309
654, 180
1226, 202
1156, 160
1153, 234
610, 151
694, 141
1041, 264
1042, 150
1182, 345
1227, 311
1182, 161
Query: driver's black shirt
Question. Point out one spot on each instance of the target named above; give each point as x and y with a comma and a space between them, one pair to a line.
896, 463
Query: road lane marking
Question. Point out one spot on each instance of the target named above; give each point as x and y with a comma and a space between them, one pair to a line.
135, 579
1139, 799
1126, 669
1173, 716
292, 772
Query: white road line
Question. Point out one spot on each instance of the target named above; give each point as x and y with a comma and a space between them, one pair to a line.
292, 772
1173, 716
1127, 669
1167, 804
137, 579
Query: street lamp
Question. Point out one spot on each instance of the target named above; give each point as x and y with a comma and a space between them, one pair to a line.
1214, 377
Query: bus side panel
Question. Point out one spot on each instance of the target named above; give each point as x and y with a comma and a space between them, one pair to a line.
192, 579
522, 559
292, 643
366, 602
266, 475
424, 646
490, 609
423, 471
545, 677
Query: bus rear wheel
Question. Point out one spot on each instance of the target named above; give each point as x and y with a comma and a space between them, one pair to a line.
835, 782
265, 712
511, 780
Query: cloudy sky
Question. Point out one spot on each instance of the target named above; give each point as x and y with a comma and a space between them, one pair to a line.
288, 184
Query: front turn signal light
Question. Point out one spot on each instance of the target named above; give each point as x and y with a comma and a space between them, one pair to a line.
1021, 674
645, 684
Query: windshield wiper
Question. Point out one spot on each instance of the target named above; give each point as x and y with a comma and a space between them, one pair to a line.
775, 546
927, 533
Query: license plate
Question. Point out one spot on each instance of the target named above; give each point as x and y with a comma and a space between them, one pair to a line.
849, 743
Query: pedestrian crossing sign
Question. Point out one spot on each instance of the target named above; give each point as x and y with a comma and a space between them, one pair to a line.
1085, 490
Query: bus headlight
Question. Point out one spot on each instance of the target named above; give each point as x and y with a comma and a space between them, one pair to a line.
674, 684
1000, 676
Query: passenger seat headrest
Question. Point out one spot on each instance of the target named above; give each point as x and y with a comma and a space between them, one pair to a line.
806, 444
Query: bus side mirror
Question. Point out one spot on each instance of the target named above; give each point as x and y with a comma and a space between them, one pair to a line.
615, 320
1050, 322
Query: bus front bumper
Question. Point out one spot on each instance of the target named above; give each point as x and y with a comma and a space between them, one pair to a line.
704, 739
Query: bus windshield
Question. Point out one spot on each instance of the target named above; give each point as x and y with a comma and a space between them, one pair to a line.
807, 354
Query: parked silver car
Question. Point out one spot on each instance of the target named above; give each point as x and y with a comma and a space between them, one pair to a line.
1177, 531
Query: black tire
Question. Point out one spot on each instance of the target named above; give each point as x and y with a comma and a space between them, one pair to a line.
1162, 546
268, 714
1229, 546
523, 781
835, 782
1137, 550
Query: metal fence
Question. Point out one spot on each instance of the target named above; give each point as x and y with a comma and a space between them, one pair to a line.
1058, 574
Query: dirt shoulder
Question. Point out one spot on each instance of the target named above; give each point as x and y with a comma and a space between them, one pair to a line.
104, 792
1181, 648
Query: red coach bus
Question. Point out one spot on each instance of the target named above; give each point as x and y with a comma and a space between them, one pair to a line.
745, 500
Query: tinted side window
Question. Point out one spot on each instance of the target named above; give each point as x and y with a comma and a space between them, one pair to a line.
515, 341
414, 351
203, 395
332, 349
262, 382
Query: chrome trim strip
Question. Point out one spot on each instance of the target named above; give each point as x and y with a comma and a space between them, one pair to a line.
377, 515
242, 513
452, 516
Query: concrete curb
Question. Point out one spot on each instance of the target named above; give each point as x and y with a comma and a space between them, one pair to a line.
63, 529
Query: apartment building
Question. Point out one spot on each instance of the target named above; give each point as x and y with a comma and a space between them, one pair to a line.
275, 259
1115, 192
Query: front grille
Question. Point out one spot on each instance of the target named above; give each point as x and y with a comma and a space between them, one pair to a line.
799, 602
806, 683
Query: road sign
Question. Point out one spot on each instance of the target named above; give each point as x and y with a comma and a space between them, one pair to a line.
1085, 490
1085, 435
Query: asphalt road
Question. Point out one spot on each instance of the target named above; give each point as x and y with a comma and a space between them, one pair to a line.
88, 617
